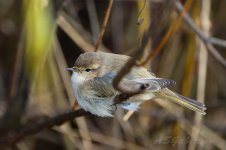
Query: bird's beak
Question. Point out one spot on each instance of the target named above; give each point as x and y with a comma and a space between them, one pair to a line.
69, 69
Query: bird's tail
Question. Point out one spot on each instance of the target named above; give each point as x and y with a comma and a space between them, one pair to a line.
186, 102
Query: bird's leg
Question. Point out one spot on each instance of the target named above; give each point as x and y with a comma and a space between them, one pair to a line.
75, 105
121, 98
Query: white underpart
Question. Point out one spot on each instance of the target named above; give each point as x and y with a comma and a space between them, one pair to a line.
76, 80
133, 103
142, 97
88, 101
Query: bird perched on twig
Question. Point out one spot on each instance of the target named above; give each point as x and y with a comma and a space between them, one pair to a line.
92, 78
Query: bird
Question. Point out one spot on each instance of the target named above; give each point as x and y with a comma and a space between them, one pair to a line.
92, 77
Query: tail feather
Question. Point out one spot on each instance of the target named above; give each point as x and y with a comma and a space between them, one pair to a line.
186, 102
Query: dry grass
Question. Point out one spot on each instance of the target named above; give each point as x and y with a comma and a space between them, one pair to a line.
185, 44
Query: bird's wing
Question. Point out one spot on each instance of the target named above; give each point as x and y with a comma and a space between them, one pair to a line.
155, 84
104, 83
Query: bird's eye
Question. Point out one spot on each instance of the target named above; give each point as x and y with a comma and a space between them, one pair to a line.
88, 70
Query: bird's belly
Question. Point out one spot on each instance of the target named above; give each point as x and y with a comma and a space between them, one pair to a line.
98, 106
134, 102
142, 97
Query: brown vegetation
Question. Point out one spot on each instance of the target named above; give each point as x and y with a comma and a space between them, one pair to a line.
181, 40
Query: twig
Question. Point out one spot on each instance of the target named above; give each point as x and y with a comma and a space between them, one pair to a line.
81, 122
61, 63
207, 41
73, 33
16, 95
201, 35
202, 71
126, 68
127, 90
16, 67
174, 26
140, 20
217, 42
76, 32
37, 127
205, 133
104, 25
12, 116
213, 51
95, 26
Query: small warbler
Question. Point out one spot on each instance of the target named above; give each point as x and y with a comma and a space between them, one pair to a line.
92, 78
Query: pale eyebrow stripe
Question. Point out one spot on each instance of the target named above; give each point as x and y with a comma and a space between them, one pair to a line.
94, 65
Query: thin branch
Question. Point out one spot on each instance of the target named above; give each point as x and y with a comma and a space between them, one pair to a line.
58, 120
207, 41
205, 132
131, 90
95, 25
73, 33
174, 26
202, 71
104, 25
61, 63
193, 26
17, 65
213, 51
217, 42
37, 127
183, 13
76, 32
81, 122
11, 118
16, 95
140, 20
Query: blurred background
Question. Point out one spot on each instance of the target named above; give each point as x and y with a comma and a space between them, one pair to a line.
39, 38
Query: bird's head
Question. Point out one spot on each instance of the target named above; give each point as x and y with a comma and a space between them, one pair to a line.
96, 64
86, 66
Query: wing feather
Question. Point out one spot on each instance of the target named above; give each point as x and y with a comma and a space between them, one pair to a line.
156, 84
104, 83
